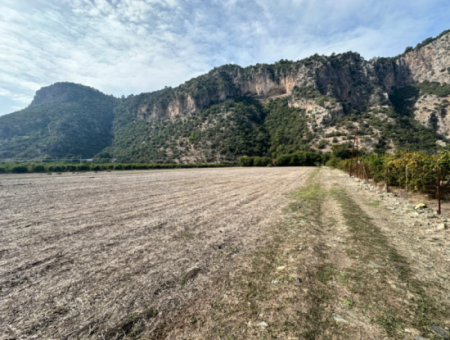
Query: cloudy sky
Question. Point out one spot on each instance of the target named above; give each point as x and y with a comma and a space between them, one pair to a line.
132, 46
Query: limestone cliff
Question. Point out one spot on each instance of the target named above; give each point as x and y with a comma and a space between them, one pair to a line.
353, 81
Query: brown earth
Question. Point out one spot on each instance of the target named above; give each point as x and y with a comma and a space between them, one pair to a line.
95, 255
270, 253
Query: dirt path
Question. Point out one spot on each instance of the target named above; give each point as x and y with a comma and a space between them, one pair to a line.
114, 255
339, 265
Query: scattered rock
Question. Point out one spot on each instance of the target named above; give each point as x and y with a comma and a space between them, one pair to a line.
262, 324
281, 268
307, 291
376, 264
298, 280
412, 331
410, 295
439, 331
420, 206
339, 319
431, 215
299, 206
418, 337
274, 282
441, 226
191, 274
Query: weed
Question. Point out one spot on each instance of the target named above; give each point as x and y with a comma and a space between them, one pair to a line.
373, 204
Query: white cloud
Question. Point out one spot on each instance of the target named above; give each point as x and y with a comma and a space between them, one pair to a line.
133, 46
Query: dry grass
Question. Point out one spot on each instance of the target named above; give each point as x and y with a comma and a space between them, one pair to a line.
112, 255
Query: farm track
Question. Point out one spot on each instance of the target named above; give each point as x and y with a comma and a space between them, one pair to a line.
79, 256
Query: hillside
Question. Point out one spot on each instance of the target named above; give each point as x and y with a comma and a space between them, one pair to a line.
63, 119
264, 109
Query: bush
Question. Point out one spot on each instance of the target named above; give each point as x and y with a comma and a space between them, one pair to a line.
322, 144
36, 168
245, 161
83, 167
333, 162
59, 168
96, 167
2, 170
128, 167
118, 167
283, 160
71, 167
341, 151
262, 161
19, 169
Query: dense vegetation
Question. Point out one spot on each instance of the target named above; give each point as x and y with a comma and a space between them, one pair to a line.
81, 127
30, 167
421, 175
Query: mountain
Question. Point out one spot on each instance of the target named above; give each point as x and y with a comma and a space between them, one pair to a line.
316, 102
62, 119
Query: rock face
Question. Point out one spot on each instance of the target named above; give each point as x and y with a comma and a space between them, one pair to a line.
62, 93
353, 81
347, 77
431, 107
429, 63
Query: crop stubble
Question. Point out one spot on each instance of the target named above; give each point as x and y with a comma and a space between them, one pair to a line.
107, 254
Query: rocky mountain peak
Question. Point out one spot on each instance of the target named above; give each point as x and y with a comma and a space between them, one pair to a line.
63, 92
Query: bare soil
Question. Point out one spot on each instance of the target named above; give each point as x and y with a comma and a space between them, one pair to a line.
118, 255
273, 253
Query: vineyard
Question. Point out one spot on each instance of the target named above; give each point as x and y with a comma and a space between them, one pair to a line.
413, 171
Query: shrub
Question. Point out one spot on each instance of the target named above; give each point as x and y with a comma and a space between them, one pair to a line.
261, 161
118, 167
333, 162
128, 167
322, 144
18, 169
2, 170
83, 167
341, 151
283, 160
71, 167
36, 168
59, 168
96, 167
245, 161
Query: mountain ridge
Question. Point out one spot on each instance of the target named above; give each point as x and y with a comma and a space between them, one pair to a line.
169, 124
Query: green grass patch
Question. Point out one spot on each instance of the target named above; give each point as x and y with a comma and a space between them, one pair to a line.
373, 204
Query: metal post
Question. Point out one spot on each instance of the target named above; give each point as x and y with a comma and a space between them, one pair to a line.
406, 181
353, 148
439, 191
387, 179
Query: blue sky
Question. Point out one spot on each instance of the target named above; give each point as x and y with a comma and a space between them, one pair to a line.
132, 46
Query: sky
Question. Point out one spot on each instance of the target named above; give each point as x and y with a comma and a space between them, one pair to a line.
124, 47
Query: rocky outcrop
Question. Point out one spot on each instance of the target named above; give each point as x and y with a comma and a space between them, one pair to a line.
355, 82
432, 112
62, 93
322, 114
429, 63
